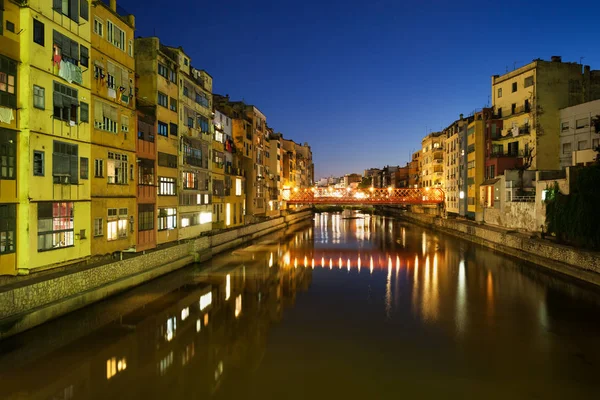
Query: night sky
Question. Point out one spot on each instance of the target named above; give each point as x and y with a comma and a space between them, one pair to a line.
363, 82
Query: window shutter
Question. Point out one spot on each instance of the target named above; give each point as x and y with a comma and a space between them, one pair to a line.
98, 114
83, 9
57, 38
74, 10
57, 5
74, 50
58, 99
84, 52
84, 113
124, 77
74, 167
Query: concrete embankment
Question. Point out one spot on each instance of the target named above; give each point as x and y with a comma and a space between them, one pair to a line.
577, 263
29, 303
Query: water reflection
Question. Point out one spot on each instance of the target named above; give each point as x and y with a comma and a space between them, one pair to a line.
276, 320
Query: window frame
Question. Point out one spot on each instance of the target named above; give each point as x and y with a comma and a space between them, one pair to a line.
37, 25
98, 226
64, 221
98, 23
8, 228
41, 162
37, 96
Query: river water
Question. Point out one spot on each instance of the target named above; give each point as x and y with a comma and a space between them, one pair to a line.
351, 306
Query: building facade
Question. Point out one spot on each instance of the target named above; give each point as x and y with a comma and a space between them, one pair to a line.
476, 161
579, 134
157, 74
432, 171
113, 134
528, 100
11, 141
54, 146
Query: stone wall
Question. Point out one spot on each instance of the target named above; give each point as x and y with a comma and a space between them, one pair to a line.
516, 215
577, 263
32, 302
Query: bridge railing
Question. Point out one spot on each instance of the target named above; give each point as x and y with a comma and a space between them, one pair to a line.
370, 196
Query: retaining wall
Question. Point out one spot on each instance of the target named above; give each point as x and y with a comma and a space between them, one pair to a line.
35, 301
577, 263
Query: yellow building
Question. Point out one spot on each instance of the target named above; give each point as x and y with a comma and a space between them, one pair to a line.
10, 139
476, 160
528, 101
114, 130
289, 166
194, 105
233, 199
54, 80
157, 76
432, 170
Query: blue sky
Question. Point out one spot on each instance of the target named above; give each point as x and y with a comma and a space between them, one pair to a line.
363, 82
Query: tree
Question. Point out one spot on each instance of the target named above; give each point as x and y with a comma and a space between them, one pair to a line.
527, 161
365, 183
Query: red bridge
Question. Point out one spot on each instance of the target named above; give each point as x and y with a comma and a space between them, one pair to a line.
372, 196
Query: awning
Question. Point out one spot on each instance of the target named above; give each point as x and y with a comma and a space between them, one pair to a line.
490, 182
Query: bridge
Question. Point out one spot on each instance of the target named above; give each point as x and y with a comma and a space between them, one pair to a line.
371, 196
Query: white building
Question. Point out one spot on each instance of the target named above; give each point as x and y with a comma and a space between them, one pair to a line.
578, 136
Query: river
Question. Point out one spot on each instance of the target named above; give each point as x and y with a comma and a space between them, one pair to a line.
351, 306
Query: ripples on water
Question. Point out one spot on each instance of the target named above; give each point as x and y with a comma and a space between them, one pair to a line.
354, 306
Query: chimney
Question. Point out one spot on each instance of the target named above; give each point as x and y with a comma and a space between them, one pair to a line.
131, 20
461, 117
113, 5
556, 59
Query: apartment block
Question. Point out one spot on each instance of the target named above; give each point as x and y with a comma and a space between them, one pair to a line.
157, 79
528, 100
476, 161
579, 134
432, 171
113, 135
11, 141
54, 150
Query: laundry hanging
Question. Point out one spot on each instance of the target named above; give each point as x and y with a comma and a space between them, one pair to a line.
6, 115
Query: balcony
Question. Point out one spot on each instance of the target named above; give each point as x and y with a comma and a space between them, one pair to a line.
146, 194
190, 160
514, 154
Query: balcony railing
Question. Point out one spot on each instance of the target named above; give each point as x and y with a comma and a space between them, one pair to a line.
496, 154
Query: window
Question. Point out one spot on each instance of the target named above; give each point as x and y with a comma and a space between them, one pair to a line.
145, 172
582, 145
163, 129
163, 71
68, 50
499, 92
65, 163
167, 160
528, 81
190, 122
116, 224
10, 26
203, 124
173, 106
500, 112
564, 126
130, 48
172, 76
99, 168
167, 218
84, 56
526, 107
190, 180
38, 163
192, 155
513, 149
65, 103
185, 61
39, 94
98, 227
8, 151
84, 112
105, 117
582, 123
69, 8
8, 82
117, 166
84, 167
145, 217
145, 130
566, 148
173, 129
115, 35
83, 9
8, 228
513, 108
163, 100
98, 27
186, 91
55, 225
202, 100
167, 186
514, 87
38, 32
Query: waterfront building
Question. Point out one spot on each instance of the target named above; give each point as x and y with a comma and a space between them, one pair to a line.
528, 100
158, 85
11, 141
53, 84
432, 171
113, 134
579, 134
414, 168
476, 161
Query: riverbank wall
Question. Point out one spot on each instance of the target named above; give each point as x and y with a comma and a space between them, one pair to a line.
26, 304
573, 262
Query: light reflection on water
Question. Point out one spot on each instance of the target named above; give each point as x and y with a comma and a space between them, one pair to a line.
432, 316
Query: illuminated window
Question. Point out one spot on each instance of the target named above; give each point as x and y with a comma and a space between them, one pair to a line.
116, 225
205, 301
117, 165
167, 219
238, 187
55, 225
